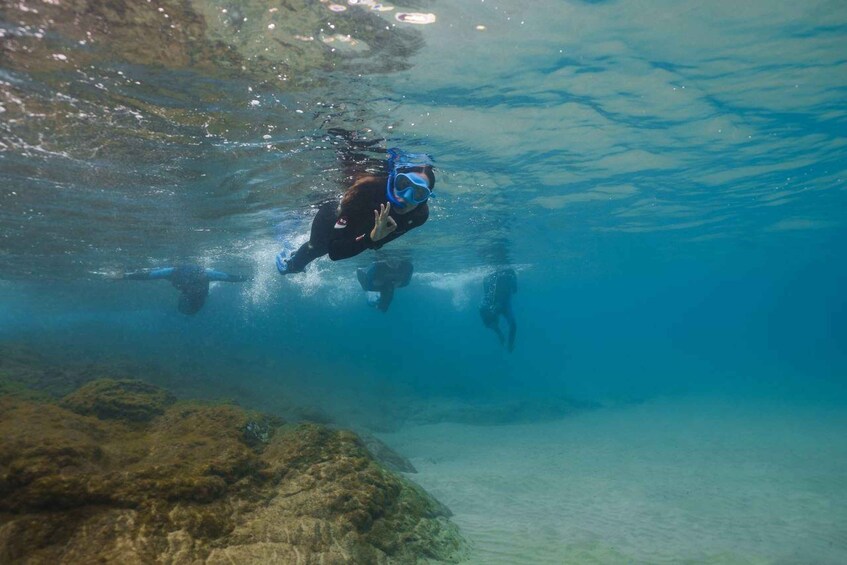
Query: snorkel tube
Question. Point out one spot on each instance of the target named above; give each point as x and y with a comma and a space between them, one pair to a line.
397, 161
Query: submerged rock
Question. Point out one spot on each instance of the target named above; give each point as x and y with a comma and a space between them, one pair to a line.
119, 399
386, 455
260, 431
130, 476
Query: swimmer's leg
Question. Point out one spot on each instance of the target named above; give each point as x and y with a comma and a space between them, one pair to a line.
289, 261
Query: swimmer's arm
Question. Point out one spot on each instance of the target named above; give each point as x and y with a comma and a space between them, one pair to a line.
214, 275
346, 243
419, 218
351, 233
346, 247
351, 239
162, 273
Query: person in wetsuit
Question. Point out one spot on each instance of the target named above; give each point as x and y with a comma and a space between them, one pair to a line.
381, 278
498, 288
192, 281
376, 209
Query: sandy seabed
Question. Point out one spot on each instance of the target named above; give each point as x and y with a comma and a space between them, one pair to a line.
696, 480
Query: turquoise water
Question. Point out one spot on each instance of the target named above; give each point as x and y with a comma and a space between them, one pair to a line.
667, 179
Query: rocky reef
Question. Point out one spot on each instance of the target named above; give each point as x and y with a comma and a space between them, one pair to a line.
120, 471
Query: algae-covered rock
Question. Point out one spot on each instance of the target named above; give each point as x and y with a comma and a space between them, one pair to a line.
335, 504
109, 399
182, 483
259, 431
387, 456
46, 456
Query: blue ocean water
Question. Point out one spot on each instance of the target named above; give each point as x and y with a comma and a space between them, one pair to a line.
667, 179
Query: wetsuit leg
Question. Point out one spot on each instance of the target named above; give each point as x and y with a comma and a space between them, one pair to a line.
318, 244
379, 275
362, 275
513, 326
404, 273
385, 298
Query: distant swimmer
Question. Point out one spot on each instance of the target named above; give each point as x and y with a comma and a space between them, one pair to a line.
192, 281
498, 288
381, 278
376, 209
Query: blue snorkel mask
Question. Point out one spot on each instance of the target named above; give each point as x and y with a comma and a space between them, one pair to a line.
413, 187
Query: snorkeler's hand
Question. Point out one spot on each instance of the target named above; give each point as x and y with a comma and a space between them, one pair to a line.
384, 224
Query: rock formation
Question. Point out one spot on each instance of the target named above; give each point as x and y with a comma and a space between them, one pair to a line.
119, 471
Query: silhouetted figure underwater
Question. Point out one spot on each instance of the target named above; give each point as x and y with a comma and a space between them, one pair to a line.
376, 209
497, 290
381, 278
192, 281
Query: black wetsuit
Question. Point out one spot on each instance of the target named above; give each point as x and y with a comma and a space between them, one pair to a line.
345, 231
382, 277
192, 281
498, 288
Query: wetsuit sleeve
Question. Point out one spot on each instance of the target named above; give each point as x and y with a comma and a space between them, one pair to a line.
163, 273
385, 298
214, 275
351, 233
349, 244
352, 237
419, 217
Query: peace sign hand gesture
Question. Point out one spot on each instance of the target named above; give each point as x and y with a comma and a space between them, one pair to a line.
383, 223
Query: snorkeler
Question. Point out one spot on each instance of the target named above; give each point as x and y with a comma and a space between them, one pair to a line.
376, 209
381, 278
191, 280
498, 288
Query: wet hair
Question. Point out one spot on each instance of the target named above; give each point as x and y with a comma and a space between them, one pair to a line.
381, 180
360, 183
